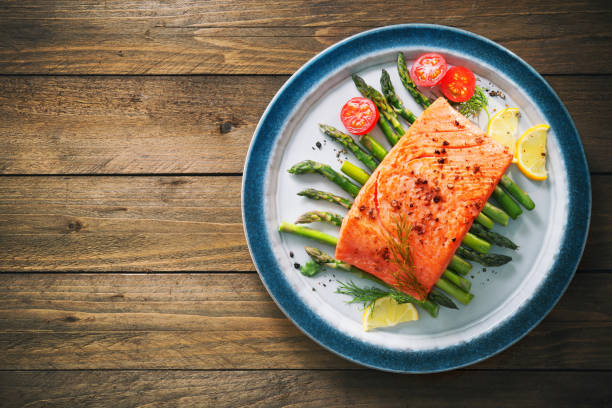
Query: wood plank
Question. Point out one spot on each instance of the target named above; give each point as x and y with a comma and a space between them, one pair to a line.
160, 224
191, 37
122, 223
364, 388
596, 252
109, 125
214, 321
586, 99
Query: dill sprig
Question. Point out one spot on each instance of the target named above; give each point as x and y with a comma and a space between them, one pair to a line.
367, 296
475, 104
399, 247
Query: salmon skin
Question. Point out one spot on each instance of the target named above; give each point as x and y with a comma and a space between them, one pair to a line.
411, 215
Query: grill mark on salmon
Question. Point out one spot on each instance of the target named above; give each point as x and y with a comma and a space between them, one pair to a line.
461, 147
437, 177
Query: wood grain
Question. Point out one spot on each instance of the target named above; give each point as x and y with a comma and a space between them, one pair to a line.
596, 252
216, 338
284, 388
131, 125
121, 223
228, 321
160, 224
258, 37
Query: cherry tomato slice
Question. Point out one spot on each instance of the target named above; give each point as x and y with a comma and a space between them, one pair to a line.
458, 84
359, 115
428, 69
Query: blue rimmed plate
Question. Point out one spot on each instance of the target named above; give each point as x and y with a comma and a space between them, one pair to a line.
510, 300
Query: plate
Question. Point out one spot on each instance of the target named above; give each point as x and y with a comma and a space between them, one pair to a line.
509, 301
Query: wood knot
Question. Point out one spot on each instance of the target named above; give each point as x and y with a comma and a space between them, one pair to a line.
71, 319
225, 127
75, 226
174, 183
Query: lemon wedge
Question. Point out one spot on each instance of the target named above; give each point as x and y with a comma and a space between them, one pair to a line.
387, 312
531, 152
503, 127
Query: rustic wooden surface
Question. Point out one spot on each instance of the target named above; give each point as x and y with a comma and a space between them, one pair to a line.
124, 274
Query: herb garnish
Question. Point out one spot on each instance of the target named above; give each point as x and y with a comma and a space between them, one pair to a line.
311, 268
367, 296
401, 255
475, 104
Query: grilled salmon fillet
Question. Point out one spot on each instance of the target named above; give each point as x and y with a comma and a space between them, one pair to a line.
409, 218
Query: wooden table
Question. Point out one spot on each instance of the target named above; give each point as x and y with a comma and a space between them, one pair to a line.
126, 277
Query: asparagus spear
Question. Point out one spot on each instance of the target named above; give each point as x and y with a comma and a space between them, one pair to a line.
459, 265
355, 172
484, 221
438, 296
389, 92
373, 146
496, 214
476, 243
386, 128
455, 291
308, 233
380, 149
516, 192
457, 280
381, 103
486, 260
348, 142
310, 166
507, 203
493, 237
410, 86
320, 216
324, 259
324, 195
